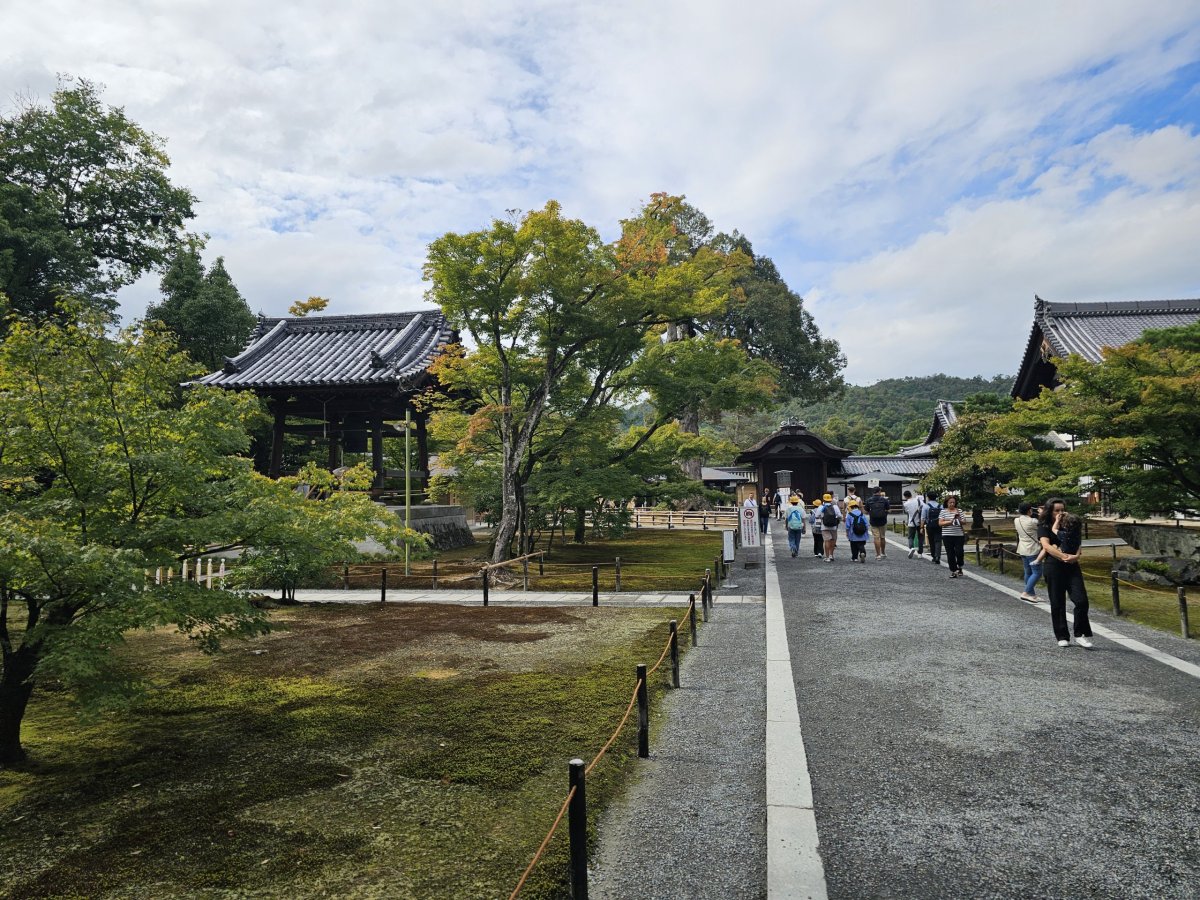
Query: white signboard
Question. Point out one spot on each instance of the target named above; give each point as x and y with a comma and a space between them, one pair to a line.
750, 526
727, 551
873, 483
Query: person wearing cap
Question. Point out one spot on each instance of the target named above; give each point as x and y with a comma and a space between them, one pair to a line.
830, 517
794, 518
815, 521
858, 529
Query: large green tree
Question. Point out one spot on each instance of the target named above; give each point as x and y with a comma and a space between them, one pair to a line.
1134, 418
565, 325
105, 474
204, 309
86, 206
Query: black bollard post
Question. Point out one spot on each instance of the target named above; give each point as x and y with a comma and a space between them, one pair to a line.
435, 573
1183, 615
1116, 594
675, 652
692, 616
382, 586
525, 574
595, 585
643, 703
485, 585
1001, 560
617, 577
978, 555
577, 829
345, 578
541, 564
1114, 551
703, 602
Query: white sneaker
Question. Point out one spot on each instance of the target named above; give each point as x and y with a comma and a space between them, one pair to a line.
879, 556
912, 552
1084, 642
1064, 643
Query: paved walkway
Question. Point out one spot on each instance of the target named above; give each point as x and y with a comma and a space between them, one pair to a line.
956, 751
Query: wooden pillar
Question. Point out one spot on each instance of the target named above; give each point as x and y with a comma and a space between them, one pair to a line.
377, 449
334, 427
422, 446
277, 440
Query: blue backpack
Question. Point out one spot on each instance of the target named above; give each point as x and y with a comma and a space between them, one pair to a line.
795, 520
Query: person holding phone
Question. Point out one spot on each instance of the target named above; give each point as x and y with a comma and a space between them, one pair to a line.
953, 535
1062, 545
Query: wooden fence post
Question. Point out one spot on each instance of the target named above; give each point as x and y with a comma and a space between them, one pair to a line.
617, 580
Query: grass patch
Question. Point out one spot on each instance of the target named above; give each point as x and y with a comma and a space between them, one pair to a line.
651, 560
408, 751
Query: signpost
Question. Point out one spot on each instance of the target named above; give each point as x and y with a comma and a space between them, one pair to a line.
727, 550
749, 522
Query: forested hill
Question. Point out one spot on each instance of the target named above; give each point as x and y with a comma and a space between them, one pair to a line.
875, 418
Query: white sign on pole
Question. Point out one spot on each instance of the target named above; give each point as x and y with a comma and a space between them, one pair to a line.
727, 550
750, 526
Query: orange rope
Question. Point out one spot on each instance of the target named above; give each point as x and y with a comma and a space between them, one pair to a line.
1148, 590
545, 841
625, 718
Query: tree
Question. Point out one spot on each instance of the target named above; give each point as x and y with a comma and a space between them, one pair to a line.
302, 308
565, 325
104, 475
204, 310
85, 203
1134, 418
966, 461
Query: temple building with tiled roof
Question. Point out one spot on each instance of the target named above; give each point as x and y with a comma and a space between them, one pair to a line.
1063, 328
348, 377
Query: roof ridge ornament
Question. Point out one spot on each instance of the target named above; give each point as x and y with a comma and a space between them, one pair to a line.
792, 422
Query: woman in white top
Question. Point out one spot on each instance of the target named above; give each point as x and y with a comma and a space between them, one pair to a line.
1029, 549
953, 536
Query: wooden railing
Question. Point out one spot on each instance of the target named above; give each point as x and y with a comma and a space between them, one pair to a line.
725, 517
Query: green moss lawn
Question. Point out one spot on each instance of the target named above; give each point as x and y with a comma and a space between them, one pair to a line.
406, 751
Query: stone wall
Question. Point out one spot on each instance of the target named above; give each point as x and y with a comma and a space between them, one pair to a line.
1160, 540
447, 525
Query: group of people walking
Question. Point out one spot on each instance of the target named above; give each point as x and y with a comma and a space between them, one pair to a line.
1049, 541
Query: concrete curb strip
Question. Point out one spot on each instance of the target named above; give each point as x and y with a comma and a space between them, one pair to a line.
794, 868
1116, 637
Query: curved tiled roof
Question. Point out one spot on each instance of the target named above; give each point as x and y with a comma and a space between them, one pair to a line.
1087, 328
335, 351
893, 465
792, 430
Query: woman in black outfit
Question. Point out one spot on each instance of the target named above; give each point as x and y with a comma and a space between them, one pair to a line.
1063, 575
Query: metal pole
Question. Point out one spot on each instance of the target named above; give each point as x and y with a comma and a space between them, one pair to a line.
1001, 560
1114, 551
595, 585
617, 580
692, 616
345, 578
485, 585
1116, 594
382, 586
435, 573
1183, 616
408, 423
643, 703
525, 574
577, 829
541, 564
675, 652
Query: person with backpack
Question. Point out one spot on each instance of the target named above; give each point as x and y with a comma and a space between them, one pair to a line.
913, 515
831, 519
878, 507
814, 519
794, 519
933, 527
857, 529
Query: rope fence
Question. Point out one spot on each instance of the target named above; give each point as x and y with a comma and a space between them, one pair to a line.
574, 806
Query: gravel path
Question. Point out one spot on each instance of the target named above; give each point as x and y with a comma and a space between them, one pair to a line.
956, 751
694, 823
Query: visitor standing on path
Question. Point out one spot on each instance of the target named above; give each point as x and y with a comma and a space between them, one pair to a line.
857, 530
1029, 548
953, 535
878, 507
764, 512
794, 519
1060, 537
778, 501
933, 527
818, 539
851, 497
831, 518
913, 509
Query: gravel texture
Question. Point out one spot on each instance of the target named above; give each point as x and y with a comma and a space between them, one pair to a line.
694, 824
956, 751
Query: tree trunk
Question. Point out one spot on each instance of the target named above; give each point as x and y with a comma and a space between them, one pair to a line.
690, 422
16, 686
510, 515
580, 524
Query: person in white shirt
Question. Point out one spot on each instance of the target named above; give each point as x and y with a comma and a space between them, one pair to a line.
914, 512
830, 517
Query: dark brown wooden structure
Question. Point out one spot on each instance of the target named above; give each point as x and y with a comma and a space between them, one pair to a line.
794, 449
352, 377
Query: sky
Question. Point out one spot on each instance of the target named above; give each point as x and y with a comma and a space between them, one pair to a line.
918, 171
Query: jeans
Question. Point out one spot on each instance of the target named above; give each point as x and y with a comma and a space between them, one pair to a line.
1063, 580
857, 547
794, 536
916, 538
1033, 571
954, 551
933, 533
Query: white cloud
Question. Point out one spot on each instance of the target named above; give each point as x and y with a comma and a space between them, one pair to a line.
328, 145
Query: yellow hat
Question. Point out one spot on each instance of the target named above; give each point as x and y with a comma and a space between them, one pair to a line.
827, 497
816, 503
793, 499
